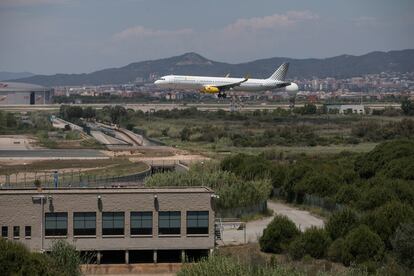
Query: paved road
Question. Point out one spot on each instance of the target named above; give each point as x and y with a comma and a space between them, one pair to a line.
52, 154
254, 229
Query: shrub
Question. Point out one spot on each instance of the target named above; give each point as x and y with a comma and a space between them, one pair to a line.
313, 242
66, 256
340, 223
16, 259
403, 244
278, 234
362, 245
228, 266
337, 250
386, 219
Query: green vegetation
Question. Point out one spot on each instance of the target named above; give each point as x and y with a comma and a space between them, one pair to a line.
278, 235
16, 259
227, 266
371, 196
407, 107
313, 242
233, 191
297, 130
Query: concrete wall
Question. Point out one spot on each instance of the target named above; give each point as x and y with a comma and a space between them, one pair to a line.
17, 208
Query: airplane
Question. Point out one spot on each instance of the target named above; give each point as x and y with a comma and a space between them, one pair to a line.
219, 85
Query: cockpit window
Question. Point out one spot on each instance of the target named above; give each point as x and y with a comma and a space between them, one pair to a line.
162, 78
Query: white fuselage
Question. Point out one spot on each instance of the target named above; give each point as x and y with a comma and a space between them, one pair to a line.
199, 82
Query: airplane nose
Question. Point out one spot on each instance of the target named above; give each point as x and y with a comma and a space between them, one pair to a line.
157, 82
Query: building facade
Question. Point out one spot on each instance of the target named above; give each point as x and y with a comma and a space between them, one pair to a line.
115, 225
14, 93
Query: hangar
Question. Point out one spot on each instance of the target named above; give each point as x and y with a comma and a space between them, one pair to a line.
16, 93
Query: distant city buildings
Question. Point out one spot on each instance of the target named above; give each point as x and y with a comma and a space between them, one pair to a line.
377, 87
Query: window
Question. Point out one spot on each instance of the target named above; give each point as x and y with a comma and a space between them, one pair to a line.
4, 231
27, 231
141, 223
16, 231
197, 222
169, 223
56, 224
84, 223
112, 223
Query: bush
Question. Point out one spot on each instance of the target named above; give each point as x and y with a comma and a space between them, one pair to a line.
233, 191
228, 266
66, 256
362, 245
341, 222
337, 250
278, 235
386, 219
403, 244
313, 242
16, 259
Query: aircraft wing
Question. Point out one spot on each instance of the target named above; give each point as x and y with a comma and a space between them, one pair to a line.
230, 85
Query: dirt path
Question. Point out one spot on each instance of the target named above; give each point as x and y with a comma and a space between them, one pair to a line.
254, 229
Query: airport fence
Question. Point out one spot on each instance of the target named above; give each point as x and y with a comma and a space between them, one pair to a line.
69, 179
242, 211
326, 204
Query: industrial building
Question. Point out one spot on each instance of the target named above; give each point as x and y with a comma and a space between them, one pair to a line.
16, 93
115, 225
346, 108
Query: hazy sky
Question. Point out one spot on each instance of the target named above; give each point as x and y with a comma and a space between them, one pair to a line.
74, 36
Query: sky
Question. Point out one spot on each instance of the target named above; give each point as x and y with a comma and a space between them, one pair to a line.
81, 36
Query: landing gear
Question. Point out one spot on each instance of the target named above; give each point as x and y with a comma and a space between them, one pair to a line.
222, 95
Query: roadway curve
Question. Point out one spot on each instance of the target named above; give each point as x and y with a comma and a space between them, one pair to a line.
254, 229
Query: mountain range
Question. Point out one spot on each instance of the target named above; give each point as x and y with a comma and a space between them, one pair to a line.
14, 75
194, 64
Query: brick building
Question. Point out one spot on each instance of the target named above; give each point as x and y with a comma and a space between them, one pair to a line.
115, 225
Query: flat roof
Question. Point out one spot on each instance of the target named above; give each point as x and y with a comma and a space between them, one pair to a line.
103, 190
6, 86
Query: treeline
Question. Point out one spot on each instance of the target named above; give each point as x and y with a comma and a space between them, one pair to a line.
14, 123
376, 189
233, 191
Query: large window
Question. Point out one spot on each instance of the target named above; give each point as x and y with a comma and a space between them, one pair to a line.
197, 222
112, 223
56, 224
169, 223
141, 223
4, 231
84, 224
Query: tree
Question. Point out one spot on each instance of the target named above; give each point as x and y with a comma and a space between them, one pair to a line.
403, 244
407, 107
341, 222
386, 219
278, 235
362, 245
16, 259
116, 113
185, 134
314, 242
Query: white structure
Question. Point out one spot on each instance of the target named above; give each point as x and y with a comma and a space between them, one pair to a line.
16, 93
347, 108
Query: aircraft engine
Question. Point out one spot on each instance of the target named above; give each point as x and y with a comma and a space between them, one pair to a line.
293, 87
210, 89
